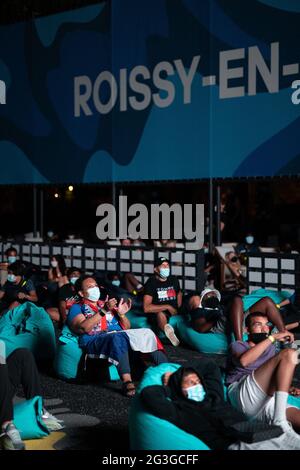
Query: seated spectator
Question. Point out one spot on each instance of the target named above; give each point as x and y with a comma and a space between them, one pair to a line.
162, 298
165, 243
67, 295
116, 283
209, 315
48, 295
11, 256
124, 286
237, 280
138, 242
259, 379
249, 246
57, 271
126, 242
192, 398
18, 369
17, 288
95, 325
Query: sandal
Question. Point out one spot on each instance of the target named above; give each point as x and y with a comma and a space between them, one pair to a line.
128, 389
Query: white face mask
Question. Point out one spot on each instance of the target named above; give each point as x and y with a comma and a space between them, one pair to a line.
54, 264
11, 277
93, 294
73, 280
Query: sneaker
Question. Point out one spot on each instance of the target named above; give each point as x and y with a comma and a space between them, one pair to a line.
51, 422
170, 334
11, 439
287, 428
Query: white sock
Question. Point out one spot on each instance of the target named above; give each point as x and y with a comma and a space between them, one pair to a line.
280, 406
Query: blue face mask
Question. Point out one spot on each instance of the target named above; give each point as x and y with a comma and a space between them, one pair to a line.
164, 272
73, 280
12, 259
249, 240
116, 282
196, 393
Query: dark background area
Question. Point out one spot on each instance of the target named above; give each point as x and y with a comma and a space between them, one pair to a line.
270, 208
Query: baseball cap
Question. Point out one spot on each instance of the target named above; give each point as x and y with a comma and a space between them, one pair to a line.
160, 261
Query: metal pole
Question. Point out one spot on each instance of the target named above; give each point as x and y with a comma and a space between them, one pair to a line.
34, 211
219, 241
41, 213
114, 202
211, 215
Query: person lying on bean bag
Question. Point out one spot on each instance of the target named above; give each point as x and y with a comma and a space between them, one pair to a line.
192, 398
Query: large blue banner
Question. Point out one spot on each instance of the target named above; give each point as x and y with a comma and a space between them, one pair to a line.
141, 91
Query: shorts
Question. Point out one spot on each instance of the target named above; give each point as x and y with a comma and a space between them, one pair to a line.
248, 397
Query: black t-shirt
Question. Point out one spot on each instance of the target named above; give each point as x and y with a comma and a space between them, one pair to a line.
163, 292
68, 294
12, 290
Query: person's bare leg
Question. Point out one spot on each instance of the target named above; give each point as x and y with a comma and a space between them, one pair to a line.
53, 313
129, 285
277, 373
131, 282
128, 385
236, 315
268, 307
14, 305
161, 320
293, 416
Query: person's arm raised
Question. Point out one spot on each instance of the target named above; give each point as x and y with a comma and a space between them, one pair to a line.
256, 351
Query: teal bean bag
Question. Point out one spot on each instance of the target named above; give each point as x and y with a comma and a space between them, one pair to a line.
28, 326
256, 295
28, 419
147, 432
210, 343
69, 357
295, 401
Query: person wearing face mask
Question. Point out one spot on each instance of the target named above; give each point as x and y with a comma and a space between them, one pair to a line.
206, 312
192, 398
209, 315
104, 331
248, 246
57, 271
48, 294
67, 294
162, 298
17, 288
126, 286
260, 379
11, 256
